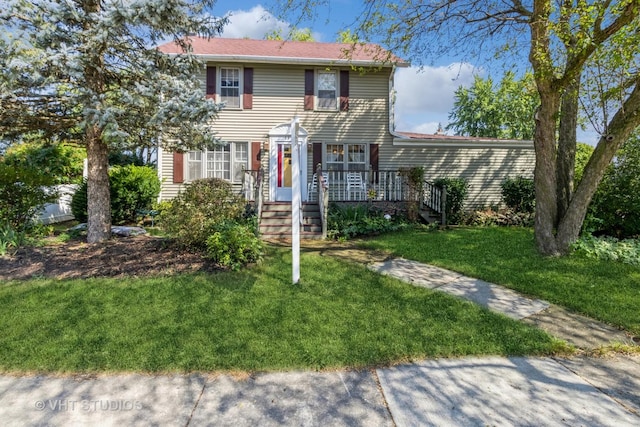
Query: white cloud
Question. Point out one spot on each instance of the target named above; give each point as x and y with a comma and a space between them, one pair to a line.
253, 24
424, 97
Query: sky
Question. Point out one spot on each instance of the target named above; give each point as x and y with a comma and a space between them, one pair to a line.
424, 96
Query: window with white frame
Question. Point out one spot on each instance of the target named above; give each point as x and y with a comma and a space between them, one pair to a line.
230, 87
327, 90
351, 157
225, 161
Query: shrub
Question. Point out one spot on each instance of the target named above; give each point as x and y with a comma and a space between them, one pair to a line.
609, 249
132, 188
10, 239
457, 190
61, 163
233, 245
345, 222
23, 193
195, 214
519, 194
415, 182
505, 217
615, 208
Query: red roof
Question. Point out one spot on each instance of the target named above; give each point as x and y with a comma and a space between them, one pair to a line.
286, 51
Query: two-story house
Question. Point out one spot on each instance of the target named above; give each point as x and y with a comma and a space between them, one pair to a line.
343, 98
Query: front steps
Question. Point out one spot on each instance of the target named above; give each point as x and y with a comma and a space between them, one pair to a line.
275, 221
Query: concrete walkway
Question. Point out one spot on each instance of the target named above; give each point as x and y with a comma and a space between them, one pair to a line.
579, 391
444, 392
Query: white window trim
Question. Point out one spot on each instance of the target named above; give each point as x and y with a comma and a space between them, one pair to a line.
240, 83
317, 88
232, 162
345, 161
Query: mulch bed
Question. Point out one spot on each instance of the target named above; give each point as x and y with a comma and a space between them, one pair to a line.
118, 257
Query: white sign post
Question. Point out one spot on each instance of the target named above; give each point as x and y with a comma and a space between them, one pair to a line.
296, 201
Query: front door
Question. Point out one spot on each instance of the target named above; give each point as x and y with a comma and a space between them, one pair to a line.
280, 171
283, 186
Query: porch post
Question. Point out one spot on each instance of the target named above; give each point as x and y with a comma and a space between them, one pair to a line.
296, 201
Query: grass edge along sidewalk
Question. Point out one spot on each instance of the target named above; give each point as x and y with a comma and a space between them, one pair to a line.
340, 315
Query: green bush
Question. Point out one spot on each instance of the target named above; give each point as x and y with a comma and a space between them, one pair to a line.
519, 194
61, 163
457, 191
23, 192
615, 208
609, 249
233, 245
195, 214
10, 239
345, 222
132, 188
502, 218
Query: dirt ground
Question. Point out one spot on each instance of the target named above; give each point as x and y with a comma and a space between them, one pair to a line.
118, 257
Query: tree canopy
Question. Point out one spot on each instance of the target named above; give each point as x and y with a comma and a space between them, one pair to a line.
495, 111
89, 70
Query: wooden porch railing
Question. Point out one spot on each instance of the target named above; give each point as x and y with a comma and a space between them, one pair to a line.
348, 186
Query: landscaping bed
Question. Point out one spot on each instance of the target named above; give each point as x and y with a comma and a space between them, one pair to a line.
118, 257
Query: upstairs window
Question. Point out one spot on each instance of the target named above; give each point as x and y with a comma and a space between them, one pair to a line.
327, 90
230, 87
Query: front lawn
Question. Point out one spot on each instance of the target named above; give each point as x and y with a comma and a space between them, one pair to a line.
341, 315
605, 290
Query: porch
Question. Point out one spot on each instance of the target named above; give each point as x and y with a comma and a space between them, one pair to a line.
326, 186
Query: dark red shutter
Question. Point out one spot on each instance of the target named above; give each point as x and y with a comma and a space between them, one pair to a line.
178, 168
247, 96
344, 90
373, 156
256, 155
211, 82
317, 155
373, 161
308, 89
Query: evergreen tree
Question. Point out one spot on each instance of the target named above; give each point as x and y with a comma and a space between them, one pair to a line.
90, 68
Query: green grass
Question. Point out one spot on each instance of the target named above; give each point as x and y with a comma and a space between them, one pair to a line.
605, 290
339, 315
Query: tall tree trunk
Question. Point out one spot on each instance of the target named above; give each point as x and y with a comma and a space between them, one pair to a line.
567, 141
545, 172
623, 123
98, 197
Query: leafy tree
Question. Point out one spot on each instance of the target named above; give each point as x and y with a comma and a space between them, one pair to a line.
62, 163
578, 50
296, 35
89, 67
615, 209
505, 111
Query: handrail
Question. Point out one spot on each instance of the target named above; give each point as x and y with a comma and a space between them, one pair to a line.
435, 198
323, 199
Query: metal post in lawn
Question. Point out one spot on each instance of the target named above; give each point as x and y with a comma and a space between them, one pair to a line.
296, 199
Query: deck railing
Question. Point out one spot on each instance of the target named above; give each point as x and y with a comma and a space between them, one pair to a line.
348, 186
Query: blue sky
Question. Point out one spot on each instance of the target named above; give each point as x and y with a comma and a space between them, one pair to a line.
424, 97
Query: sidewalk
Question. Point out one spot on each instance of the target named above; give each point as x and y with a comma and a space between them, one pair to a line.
466, 391
451, 392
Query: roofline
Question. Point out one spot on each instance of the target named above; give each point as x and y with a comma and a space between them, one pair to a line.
284, 60
476, 143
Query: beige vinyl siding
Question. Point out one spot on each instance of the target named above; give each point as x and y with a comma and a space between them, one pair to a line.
278, 96
484, 166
